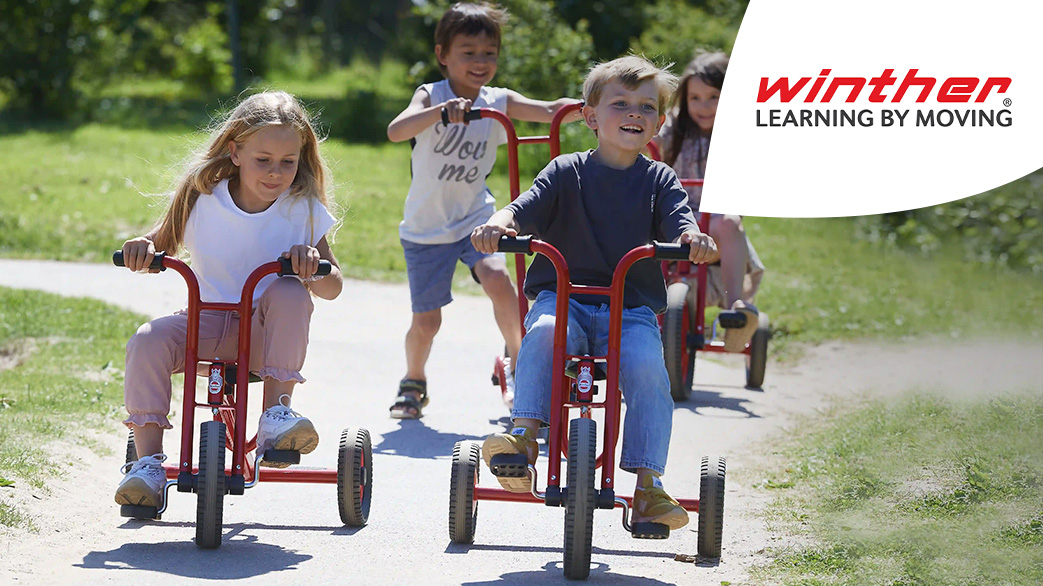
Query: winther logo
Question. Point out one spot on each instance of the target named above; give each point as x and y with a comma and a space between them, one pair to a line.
951, 90
884, 88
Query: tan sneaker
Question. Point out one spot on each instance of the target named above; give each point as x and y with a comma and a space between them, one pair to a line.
653, 505
519, 441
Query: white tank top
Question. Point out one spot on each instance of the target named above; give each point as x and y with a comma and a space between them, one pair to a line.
226, 244
448, 196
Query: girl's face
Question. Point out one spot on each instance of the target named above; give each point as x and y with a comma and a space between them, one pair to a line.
470, 62
267, 164
702, 103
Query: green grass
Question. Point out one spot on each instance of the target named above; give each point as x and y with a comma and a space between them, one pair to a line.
76, 193
60, 381
822, 283
925, 491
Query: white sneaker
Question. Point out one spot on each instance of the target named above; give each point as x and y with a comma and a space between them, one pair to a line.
282, 428
143, 482
508, 375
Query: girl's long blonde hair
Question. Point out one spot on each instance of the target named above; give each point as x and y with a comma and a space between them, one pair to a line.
213, 163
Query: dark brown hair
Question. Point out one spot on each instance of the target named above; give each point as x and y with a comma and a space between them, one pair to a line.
465, 18
710, 69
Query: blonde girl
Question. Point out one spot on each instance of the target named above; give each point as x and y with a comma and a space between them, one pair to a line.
255, 192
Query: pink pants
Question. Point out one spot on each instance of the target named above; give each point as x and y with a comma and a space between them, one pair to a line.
278, 345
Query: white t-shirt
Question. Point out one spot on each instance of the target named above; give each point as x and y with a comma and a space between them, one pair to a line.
226, 244
448, 196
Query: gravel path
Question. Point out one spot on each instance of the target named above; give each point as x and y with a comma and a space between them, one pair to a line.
286, 533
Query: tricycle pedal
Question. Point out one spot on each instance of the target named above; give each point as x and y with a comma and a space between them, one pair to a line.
649, 531
139, 512
283, 456
509, 465
732, 319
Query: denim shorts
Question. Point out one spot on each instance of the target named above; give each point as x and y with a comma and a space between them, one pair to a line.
430, 268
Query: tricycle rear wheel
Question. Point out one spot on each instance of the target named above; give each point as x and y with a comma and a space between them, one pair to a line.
757, 361
680, 359
711, 506
354, 476
463, 508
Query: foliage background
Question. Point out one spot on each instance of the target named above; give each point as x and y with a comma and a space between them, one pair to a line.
171, 63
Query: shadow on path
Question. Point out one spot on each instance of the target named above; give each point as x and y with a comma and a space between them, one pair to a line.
183, 558
551, 573
413, 439
702, 399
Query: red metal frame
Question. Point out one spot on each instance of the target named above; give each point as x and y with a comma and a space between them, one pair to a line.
558, 436
679, 271
232, 410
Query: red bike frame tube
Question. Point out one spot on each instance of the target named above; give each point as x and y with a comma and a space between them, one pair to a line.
513, 140
612, 400
683, 270
561, 308
515, 186
243, 372
555, 127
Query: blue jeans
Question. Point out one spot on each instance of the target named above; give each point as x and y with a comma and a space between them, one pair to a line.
642, 373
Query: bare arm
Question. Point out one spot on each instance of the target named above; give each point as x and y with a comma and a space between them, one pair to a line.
486, 237
420, 115
521, 108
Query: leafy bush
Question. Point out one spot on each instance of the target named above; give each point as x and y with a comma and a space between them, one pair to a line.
201, 56
1002, 227
676, 29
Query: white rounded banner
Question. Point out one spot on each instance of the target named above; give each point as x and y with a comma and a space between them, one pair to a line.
849, 108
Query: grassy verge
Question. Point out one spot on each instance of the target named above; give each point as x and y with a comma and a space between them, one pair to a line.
56, 378
822, 283
76, 194
926, 491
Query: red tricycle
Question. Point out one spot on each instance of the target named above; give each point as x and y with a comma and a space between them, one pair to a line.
683, 325
226, 398
573, 390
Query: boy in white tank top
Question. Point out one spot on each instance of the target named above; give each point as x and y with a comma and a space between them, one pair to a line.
448, 196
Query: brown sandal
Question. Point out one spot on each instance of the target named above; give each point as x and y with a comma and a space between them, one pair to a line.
407, 406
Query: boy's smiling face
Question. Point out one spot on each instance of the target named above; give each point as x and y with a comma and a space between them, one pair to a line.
625, 120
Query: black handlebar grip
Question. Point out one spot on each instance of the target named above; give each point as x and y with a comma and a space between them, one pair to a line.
469, 115
517, 244
672, 251
286, 268
157, 261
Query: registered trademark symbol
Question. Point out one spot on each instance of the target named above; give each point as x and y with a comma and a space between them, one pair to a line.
1006, 102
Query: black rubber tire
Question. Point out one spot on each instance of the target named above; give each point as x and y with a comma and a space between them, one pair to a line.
210, 485
711, 506
132, 448
354, 476
679, 358
758, 358
463, 508
581, 498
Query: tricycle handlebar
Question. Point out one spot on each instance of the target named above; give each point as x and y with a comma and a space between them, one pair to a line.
157, 261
